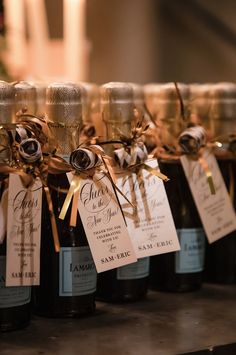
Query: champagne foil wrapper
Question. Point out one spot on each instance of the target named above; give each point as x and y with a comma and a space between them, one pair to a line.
164, 105
64, 110
7, 99
25, 97
117, 108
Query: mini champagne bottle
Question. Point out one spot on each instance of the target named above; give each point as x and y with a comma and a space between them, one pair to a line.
130, 282
179, 271
221, 255
14, 301
68, 277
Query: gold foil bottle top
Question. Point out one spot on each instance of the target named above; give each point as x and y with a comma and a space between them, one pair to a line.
162, 100
138, 94
7, 101
200, 102
64, 110
222, 114
25, 97
40, 97
117, 108
163, 103
91, 105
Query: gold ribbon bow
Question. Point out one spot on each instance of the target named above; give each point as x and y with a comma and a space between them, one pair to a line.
78, 175
131, 142
28, 172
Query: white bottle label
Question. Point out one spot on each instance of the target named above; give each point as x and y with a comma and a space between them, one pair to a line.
137, 270
190, 258
77, 272
12, 296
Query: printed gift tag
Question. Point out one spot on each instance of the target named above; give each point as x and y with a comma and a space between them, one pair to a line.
151, 225
104, 224
23, 233
216, 210
3, 215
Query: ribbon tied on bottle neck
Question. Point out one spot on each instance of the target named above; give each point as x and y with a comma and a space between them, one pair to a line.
85, 162
133, 156
192, 142
26, 158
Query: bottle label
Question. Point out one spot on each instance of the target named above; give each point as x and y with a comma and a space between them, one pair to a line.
151, 224
11, 296
216, 210
104, 224
137, 270
190, 258
77, 272
23, 232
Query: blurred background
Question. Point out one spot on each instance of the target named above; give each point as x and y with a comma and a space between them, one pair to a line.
119, 40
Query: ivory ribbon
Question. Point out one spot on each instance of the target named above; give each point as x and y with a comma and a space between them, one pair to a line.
74, 187
95, 158
53, 219
208, 173
155, 172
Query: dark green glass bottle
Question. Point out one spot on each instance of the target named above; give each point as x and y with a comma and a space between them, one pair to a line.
14, 301
127, 283
177, 271
68, 278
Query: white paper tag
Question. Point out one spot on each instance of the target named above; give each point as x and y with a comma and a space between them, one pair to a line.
3, 215
151, 226
104, 224
23, 233
2, 224
216, 211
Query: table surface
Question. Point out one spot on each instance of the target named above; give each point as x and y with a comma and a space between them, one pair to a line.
164, 323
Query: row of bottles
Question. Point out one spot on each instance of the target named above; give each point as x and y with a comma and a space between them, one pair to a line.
69, 283
214, 107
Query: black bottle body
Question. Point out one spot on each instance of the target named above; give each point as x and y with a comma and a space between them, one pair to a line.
221, 255
128, 283
68, 278
180, 271
15, 310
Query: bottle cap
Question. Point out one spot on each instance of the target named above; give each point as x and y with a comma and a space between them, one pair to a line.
117, 108
64, 110
200, 102
7, 100
163, 103
162, 100
25, 97
223, 109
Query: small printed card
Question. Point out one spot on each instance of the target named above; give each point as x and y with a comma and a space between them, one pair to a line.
150, 224
216, 210
104, 224
23, 233
3, 215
